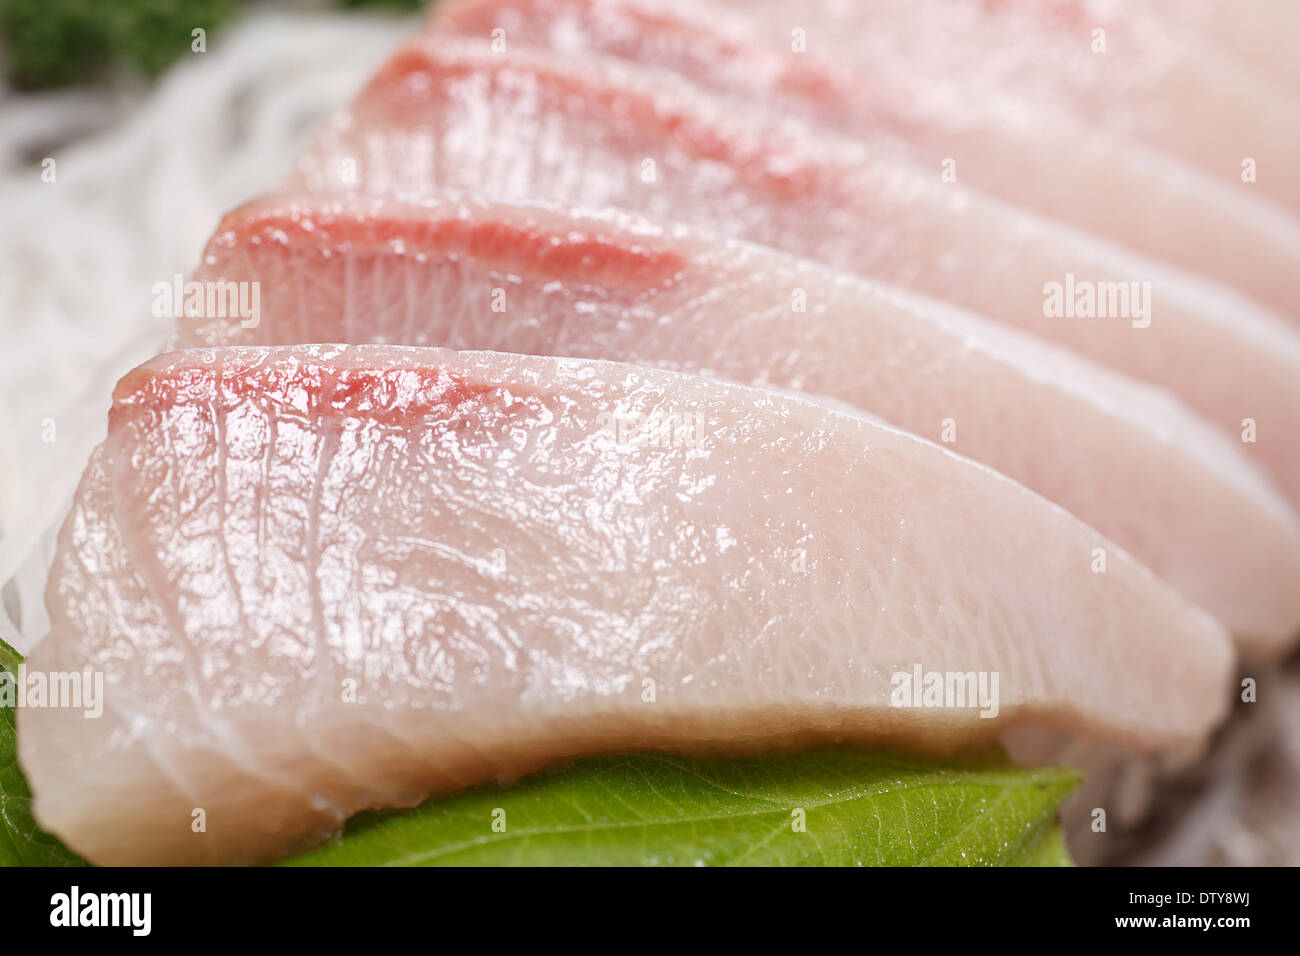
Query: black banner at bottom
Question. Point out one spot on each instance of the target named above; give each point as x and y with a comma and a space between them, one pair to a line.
636, 907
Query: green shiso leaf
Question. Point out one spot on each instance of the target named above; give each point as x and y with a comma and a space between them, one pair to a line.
1049, 851
22, 842
826, 807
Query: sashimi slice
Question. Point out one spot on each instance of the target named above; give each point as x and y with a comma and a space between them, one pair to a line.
1142, 77
1261, 34
1021, 152
320, 579
445, 116
1176, 493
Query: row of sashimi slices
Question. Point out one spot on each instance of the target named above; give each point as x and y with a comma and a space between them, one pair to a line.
632, 380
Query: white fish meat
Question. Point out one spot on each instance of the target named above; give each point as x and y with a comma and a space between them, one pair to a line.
1023, 152
1111, 63
456, 117
1176, 493
321, 579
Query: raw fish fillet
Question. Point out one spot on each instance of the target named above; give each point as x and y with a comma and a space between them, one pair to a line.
1156, 83
1176, 493
320, 579
1261, 34
445, 116
1022, 152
